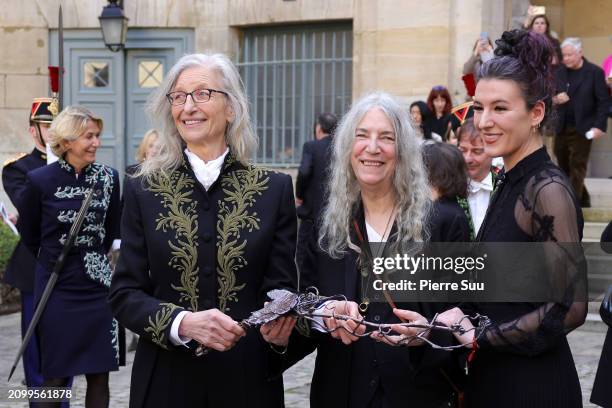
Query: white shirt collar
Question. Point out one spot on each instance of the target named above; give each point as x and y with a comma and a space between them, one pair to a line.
373, 236
485, 184
206, 172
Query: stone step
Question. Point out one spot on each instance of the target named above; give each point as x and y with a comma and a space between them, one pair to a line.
597, 214
600, 190
592, 231
593, 323
599, 269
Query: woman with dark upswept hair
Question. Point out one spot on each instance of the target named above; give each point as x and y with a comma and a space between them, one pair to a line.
522, 359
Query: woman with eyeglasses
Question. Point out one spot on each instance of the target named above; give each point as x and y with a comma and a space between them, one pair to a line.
206, 235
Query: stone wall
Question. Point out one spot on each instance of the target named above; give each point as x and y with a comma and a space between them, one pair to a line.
401, 46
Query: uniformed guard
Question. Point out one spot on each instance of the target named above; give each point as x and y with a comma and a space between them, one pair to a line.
20, 269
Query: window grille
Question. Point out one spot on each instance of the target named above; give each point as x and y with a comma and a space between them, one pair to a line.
292, 74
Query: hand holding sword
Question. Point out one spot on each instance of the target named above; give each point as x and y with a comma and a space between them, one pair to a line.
211, 328
225, 335
74, 230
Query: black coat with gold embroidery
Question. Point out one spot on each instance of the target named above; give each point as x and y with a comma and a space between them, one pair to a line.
185, 248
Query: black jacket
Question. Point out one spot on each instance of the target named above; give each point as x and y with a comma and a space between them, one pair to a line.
349, 376
312, 176
20, 269
449, 222
185, 248
602, 392
590, 98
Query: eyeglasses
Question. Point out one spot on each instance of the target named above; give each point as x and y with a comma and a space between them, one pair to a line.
199, 96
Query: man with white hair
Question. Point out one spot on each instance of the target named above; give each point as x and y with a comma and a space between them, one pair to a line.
582, 104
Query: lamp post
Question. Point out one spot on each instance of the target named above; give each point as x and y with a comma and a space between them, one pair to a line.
114, 26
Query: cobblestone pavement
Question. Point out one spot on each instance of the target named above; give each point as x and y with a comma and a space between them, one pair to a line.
586, 346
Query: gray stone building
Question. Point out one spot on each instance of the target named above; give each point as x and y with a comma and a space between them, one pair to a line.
297, 58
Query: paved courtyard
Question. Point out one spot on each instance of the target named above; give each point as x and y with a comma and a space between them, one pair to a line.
586, 345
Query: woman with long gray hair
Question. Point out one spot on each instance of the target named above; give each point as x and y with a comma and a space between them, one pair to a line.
205, 236
378, 203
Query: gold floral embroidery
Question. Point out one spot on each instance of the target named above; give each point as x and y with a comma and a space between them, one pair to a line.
158, 326
175, 191
241, 187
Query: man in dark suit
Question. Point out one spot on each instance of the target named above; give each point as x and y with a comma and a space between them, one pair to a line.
582, 104
312, 176
20, 269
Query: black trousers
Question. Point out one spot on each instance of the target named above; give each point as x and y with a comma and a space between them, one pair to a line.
572, 150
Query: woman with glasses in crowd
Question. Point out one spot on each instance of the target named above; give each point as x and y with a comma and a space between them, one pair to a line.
77, 332
522, 359
205, 236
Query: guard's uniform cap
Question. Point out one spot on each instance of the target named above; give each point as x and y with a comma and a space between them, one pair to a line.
42, 110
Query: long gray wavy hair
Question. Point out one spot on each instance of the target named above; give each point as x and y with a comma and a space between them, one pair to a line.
239, 134
409, 180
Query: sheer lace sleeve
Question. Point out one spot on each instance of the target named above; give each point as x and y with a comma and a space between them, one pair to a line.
547, 211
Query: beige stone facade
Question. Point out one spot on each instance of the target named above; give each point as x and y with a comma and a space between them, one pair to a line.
401, 46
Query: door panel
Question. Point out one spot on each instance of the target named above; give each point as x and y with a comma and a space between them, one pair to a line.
97, 83
145, 69
115, 85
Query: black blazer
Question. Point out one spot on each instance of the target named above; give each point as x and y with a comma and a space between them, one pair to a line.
590, 98
602, 392
312, 176
185, 248
20, 268
448, 222
348, 376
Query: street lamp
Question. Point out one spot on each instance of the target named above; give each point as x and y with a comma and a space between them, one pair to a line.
114, 26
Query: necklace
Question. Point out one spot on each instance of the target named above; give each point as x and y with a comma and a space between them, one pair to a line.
366, 261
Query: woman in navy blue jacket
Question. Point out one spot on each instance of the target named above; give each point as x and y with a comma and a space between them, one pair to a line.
77, 332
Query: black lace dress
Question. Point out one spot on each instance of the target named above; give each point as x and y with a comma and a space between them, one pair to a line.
524, 359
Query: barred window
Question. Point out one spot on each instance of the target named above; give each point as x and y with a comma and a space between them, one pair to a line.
291, 75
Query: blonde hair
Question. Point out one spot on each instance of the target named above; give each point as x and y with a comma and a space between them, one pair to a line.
148, 137
69, 125
239, 134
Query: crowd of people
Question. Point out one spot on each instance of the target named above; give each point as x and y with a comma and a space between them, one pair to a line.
205, 234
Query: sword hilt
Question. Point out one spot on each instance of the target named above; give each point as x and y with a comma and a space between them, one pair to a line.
202, 350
